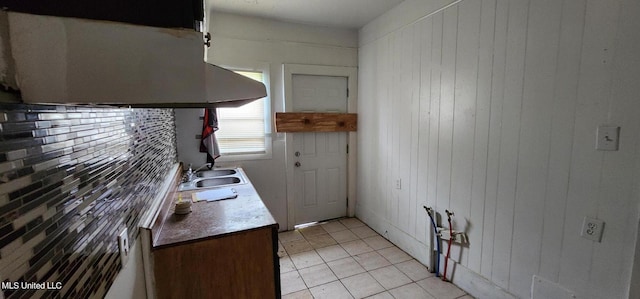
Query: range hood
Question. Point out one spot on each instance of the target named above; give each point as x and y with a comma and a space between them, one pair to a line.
77, 61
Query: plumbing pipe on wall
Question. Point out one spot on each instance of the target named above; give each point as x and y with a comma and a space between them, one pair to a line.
437, 237
446, 260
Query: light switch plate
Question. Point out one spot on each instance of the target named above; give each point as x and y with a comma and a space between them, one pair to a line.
607, 138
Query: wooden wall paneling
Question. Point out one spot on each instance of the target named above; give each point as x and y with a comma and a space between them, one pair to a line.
516, 39
401, 109
612, 257
614, 254
515, 101
404, 128
367, 136
415, 132
372, 121
394, 136
379, 203
423, 225
447, 102
560, 138
464, 120
592, 105
480, 152
495, 135
623, 101
384, 115
434, 57
535, 124
401, 73
386, 146
434, 111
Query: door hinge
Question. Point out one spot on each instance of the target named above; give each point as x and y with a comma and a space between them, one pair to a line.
347, 202
347, 92
347, 148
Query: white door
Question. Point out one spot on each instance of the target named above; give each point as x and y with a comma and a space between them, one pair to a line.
320, 172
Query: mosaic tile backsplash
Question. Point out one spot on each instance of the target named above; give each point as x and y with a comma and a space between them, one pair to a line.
70, 179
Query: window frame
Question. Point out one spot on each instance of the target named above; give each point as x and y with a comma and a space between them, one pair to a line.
268, 122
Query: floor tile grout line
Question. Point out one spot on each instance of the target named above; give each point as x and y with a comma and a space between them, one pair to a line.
334, 274
426, 290
356, 260
305, 284
338, 279
345, 287
349, 275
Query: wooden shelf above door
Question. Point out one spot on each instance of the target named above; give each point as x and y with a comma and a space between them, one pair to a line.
316, 122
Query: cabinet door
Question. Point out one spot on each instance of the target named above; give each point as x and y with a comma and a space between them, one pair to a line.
240, 265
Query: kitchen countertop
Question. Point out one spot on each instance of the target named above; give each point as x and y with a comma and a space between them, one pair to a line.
213, 219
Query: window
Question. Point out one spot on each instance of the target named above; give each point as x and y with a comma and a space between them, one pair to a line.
244, 130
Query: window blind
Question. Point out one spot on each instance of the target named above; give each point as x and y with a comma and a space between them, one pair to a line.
242, 129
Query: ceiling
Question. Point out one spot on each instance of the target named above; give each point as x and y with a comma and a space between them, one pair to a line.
333, 13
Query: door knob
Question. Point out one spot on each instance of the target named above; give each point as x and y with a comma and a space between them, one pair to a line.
297, 164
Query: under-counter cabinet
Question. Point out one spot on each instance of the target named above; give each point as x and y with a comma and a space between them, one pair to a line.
238, 265
222, 249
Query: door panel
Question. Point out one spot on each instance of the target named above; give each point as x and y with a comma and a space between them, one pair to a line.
309, 187
333, 178
321, 175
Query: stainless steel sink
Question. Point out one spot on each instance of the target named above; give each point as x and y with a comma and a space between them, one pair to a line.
215, 173
215, 182
214, 178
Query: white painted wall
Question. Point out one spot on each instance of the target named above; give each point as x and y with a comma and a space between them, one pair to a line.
129, 282
246, 42
489, 108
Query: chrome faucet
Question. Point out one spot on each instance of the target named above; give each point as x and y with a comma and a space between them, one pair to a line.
188, 177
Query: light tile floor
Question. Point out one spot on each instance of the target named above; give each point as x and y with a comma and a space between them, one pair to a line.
346, 259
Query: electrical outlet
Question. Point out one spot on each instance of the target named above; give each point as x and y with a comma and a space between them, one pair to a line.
592, 229
398, 183
123, 244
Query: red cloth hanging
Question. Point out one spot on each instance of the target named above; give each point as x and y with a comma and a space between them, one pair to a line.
208, 142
